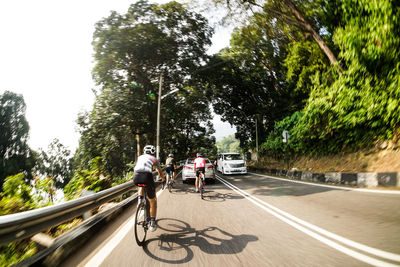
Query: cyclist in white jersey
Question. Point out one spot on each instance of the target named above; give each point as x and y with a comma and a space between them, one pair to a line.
143, 175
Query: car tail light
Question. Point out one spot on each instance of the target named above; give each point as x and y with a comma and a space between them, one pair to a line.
188, 168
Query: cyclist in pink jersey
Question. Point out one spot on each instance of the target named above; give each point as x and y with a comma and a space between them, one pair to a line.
199, 168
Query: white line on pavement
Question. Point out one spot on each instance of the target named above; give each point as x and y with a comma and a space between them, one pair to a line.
394, 192
295, 222
105, 251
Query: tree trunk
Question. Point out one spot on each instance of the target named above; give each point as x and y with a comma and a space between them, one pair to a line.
315, 35
138, 148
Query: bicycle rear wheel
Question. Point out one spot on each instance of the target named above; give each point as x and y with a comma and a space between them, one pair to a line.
141, 224
202, 189
169, 185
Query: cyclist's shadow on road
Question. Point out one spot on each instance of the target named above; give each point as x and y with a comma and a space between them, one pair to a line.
213, 196
175, 244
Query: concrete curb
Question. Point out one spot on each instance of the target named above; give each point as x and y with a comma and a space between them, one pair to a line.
363, 179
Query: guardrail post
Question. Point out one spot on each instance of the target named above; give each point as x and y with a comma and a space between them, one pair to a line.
87, 214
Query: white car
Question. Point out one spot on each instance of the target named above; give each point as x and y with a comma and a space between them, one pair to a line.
231, 163
188, 171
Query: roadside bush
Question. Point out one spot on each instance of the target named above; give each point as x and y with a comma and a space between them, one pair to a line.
274, 145
16, 252
16, 195
92, 180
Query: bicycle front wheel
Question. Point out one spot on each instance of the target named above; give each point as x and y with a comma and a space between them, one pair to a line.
141, 224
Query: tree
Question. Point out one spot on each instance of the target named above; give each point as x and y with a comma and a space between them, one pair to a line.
248, 80
362, 105
131, 52
92, 179
228, 144
55, 164
186, 124
301, 14
15, 154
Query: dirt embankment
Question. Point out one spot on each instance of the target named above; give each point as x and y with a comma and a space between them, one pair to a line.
379, 159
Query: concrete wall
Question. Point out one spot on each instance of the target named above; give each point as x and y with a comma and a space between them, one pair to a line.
363, 179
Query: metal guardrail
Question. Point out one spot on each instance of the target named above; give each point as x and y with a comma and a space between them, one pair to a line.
21, 225
24, 224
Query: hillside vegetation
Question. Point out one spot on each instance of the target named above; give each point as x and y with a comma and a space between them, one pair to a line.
328, 72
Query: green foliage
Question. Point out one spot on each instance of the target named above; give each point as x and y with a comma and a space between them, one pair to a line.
132, 50
186, 124
65, 227
15, 154
248, 80
44, 190
274, 145
304, 60
127, 178
361, 105
91, 180
55, 163
152, 96
16, 252
16, 195
229, 144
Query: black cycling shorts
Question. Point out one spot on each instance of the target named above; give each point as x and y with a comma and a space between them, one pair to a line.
147, 179
169, 168
200, 170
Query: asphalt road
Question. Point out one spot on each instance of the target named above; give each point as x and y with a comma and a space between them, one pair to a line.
253, 220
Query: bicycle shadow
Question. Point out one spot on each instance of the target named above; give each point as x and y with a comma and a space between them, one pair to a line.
179, 188
210, 193
174, 246
213, 196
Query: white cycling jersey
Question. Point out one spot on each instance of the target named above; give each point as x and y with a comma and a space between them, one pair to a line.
145, 163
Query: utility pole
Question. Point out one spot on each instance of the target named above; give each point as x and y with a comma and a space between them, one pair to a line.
158, 118
256, 140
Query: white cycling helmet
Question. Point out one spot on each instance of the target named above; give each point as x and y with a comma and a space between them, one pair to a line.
171, 155
149, 149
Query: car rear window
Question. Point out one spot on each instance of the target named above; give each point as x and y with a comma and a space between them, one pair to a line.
191, 161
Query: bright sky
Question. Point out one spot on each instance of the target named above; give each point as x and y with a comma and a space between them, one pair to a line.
46, 55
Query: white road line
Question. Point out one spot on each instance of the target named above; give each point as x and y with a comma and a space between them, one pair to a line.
394, 192
291, 220
105, 251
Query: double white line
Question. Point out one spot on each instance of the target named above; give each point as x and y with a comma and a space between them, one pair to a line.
321, 234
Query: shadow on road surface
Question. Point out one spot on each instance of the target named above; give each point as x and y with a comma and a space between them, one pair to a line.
210, 191
175, 245
270, 187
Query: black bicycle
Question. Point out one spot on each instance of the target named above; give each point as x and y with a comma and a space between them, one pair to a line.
142, 218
